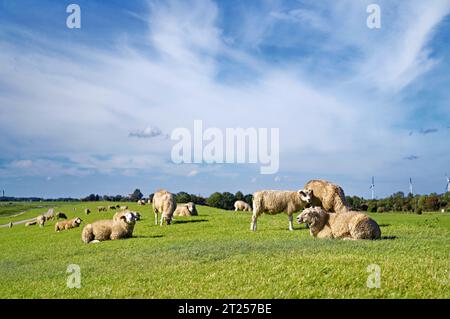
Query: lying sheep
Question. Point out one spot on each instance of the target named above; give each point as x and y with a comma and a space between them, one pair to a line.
65, 225
346, 225
123, 207
31, 223
164, 203
87, 211
240, 205
119, 215
275, 202
60, 215
188, 209
109, 229
141, 202
327, 195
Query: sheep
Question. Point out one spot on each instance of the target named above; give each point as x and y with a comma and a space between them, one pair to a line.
60, 215
109, 229
101, 209
117, 216
164, 203
327, 195
50, 214
111, 207
188, 209
141, 202
240, 205
274, 202
65, 225
117, 206
40, 220
87, 211
123, 207
10, 225
31, 223
346, 225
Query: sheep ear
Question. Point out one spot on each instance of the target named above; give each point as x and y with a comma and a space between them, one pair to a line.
301, 192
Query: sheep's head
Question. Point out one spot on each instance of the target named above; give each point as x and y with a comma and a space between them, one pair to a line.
306, 195
129, 218
310, 216
77, 221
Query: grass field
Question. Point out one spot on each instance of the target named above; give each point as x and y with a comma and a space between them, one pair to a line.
214, 255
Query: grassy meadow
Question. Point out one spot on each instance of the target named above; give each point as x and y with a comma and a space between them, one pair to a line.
214, 255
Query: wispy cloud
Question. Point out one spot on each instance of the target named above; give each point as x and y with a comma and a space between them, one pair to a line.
148, 132
411, 157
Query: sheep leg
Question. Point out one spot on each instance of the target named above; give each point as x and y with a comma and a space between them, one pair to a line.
156, 218
162, 220
291, 224
253, 224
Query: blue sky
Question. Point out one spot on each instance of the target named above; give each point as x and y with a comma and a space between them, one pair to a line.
350, 102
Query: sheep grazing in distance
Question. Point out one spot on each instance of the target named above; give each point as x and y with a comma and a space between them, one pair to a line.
346, 225
87, 211
109, 229
111, 207
123, 207
40, 220
274, 202
141, 202
240, 205
101, 209
327, 195
117, 206
164, 203
60, 215
10, 225
188, 209
50, 214
65, 225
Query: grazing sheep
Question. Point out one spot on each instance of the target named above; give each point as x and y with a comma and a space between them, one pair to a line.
164, 203
10, 225
101, 209
275, 202
50, 214
109, 229
117, 206
346, 225
327, 195
123, 207
240, 205
72, 223
87, 211
111, 207
60, 215
188, 209
141, 202
41, 219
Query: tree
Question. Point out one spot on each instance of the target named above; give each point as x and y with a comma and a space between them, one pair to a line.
215, 200
239, 196
136, 195
228, 201
183, 197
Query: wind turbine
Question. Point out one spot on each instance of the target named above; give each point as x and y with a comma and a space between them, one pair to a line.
447, 187
411, 186
372, 187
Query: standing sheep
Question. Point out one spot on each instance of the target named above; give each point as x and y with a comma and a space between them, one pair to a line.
101, 209
188, 209
109, 229
65, 225
275, 202
327, 195
60, 215
240, 205
123, 207
164, 203
41, 220
50, 214
87, 211
346, 225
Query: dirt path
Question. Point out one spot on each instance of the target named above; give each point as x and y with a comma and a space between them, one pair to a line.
18, 222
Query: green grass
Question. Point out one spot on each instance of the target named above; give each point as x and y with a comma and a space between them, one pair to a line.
214, 255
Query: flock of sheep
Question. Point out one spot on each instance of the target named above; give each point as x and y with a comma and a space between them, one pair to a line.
322, 205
